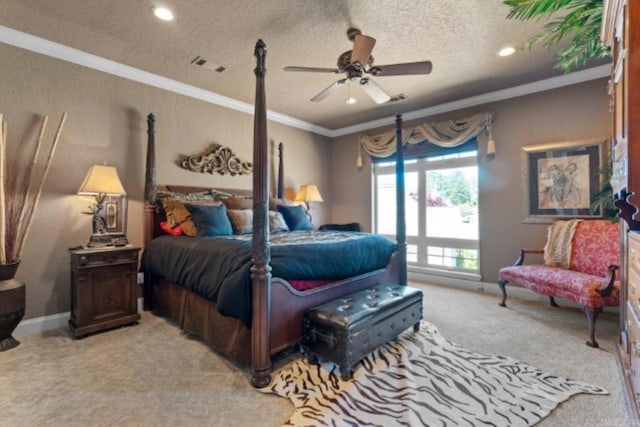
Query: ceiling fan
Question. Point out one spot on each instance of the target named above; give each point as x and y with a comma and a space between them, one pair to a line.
358, 62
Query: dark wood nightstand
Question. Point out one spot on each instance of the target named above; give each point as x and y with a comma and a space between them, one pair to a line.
103, 288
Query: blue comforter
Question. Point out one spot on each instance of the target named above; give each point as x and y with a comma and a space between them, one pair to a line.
217, 268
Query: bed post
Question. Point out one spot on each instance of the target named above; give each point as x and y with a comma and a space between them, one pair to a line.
280, 188
260, 254
401, 228
149, 202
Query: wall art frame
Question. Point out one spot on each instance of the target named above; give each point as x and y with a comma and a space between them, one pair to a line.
559, 179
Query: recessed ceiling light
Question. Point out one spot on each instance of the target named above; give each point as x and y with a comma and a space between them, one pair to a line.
351, 100
506, 51
163, 13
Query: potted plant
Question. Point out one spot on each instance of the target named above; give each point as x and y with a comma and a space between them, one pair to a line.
20, 189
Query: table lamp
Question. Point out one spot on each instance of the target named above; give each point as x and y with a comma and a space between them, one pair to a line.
308, 193
101, 182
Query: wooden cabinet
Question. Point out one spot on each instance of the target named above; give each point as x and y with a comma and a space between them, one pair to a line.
103, 289
621, 31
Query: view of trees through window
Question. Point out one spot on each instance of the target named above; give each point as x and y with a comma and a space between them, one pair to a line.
441, 203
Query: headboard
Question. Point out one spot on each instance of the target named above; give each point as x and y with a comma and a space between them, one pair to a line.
154, 215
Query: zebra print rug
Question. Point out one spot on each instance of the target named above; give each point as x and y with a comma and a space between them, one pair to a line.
423, 379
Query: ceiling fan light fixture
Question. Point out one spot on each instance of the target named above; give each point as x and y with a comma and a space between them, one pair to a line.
507, 51
162, 13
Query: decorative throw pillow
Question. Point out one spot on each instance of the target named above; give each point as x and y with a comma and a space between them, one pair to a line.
277, 222
241, 220
210, 220
238, 202
177, 214
219, 194
185, 197
296, 217
174, 231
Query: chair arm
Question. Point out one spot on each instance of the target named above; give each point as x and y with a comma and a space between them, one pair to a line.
525, 251
608, 281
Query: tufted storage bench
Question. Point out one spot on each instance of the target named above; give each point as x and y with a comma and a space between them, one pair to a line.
347, 329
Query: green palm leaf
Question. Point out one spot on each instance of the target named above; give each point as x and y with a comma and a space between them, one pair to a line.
582, 20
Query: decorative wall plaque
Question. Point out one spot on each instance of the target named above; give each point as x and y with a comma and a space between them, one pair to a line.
219, 159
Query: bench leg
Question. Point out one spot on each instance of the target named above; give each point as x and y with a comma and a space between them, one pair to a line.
592, 315
552, 301
345, 372
416, 326
502, 284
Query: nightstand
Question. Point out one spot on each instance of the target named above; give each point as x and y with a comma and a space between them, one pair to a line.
103, 288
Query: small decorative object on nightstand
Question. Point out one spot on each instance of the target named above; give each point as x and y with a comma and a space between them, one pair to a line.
103, 288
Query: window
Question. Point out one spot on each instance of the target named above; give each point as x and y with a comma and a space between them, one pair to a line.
441, 199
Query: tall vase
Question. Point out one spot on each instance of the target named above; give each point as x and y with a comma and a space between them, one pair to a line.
12, 304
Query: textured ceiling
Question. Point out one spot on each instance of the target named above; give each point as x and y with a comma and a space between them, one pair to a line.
460, 37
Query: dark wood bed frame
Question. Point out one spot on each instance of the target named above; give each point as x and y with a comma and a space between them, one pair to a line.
272, 330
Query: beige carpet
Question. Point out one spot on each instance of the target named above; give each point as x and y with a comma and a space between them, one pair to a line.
152, 375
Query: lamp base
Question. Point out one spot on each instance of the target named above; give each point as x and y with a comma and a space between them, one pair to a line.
100, 241
104, 240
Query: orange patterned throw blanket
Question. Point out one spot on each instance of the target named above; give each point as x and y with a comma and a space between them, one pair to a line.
557, 251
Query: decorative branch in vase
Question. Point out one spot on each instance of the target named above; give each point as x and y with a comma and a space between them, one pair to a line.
20, 189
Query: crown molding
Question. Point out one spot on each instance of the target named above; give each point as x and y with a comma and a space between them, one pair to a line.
69, 54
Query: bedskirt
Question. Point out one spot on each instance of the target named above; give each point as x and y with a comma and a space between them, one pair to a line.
199, 317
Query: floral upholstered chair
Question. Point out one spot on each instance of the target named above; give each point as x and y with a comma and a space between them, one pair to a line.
588, 276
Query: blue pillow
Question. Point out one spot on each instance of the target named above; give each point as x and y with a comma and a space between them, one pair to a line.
210, 220
296, 217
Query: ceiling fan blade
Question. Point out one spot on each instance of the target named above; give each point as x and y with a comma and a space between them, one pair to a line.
423, 67
372, 89
322, 95
362, 47
313, 69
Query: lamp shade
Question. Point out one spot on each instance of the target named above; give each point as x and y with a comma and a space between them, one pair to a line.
102, 179
308, 193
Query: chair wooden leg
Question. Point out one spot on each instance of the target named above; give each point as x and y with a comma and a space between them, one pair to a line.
502, 284
552, 301
592, 315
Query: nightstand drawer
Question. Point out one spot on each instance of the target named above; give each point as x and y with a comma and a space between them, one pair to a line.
89, 258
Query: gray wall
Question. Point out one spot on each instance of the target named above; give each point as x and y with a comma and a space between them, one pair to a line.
107, 123
573, 112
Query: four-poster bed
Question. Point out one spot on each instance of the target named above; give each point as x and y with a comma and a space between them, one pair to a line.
276, 306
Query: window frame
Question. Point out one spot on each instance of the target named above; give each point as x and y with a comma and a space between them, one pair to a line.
423, 165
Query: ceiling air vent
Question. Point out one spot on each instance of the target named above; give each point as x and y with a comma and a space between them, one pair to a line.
396, 98
201, 62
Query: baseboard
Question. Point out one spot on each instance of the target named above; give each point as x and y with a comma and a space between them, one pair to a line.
46, 323
42, 324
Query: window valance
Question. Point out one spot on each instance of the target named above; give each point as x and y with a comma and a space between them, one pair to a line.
450, 133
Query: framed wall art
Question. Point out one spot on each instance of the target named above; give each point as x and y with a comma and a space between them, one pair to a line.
559, 179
